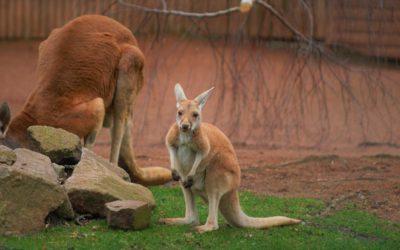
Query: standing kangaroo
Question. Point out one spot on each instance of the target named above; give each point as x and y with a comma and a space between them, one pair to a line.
90, 72
203, 158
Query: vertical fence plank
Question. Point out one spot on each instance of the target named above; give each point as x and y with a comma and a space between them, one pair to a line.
26, 15
3, 23
10, 20
34, 19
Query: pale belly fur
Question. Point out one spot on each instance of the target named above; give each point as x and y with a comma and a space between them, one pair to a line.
185, 158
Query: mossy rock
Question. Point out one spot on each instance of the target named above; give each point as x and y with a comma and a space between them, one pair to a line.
61, 146
128, 214
7, 156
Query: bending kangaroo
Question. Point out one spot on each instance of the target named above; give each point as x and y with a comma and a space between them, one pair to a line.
90, 72
203, 158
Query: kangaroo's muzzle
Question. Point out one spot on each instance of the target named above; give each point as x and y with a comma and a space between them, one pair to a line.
185, 127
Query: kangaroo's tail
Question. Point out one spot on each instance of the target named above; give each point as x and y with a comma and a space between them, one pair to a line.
149, 176
231, 210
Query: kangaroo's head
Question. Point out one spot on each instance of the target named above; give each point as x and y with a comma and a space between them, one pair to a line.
188, 115
5, 116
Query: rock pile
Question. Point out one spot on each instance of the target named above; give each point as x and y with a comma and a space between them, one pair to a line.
34, 185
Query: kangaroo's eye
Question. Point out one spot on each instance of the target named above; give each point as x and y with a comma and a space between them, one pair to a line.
180, 113
195, 114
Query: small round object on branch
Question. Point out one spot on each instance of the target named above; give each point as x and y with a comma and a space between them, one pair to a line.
245, 5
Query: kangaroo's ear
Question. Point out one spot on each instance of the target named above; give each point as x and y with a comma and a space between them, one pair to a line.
202, 98
5, 116
180, 95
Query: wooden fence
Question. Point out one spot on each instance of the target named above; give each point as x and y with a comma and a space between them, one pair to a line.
371, 27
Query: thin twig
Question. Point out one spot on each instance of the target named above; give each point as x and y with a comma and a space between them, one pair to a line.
109, 7
180, 12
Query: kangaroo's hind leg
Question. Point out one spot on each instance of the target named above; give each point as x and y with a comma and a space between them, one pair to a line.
212, 219
90, 138
191, 214
129, 83
122, 109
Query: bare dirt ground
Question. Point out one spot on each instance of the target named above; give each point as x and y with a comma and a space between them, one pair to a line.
367, 176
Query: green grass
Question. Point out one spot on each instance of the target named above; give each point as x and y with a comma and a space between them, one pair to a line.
346, 229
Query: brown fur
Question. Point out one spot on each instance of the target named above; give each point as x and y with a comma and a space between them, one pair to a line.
216, 177
89, 71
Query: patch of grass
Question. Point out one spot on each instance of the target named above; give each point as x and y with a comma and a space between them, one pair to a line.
347, 229
384, 156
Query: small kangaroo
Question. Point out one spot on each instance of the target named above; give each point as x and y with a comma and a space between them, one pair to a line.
90, 72
204, 161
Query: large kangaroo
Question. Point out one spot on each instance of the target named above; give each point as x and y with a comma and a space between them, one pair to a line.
90, 72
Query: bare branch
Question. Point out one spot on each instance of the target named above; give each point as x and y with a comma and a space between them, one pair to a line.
180, 12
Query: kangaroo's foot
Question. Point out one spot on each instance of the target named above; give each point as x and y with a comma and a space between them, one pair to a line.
179, 221
206, 228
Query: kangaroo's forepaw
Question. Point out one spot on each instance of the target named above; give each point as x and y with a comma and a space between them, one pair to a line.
189, 182
175, 175
205, 228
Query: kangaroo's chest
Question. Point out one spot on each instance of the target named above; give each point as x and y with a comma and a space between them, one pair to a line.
185, 154
186, 157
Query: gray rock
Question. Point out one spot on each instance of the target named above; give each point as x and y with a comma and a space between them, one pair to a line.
29, 192
62, 147
95, 182
7, 156
128, 214
90, 158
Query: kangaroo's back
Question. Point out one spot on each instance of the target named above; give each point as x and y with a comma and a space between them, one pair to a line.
221, 149
79, 60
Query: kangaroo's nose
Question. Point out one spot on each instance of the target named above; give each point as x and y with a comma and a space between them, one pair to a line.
185, 126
